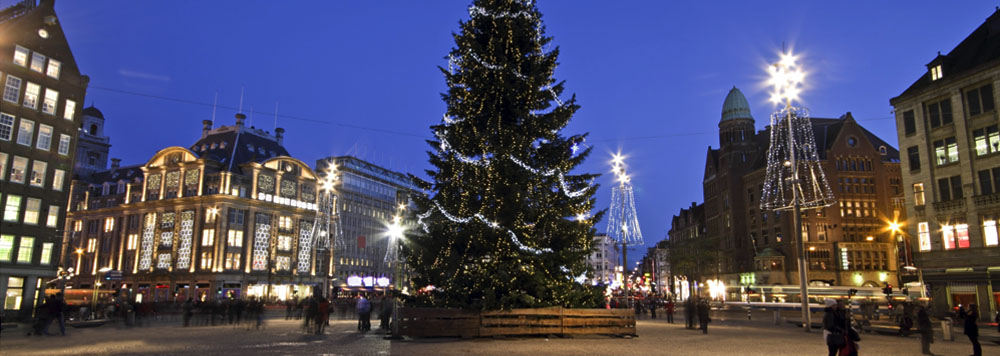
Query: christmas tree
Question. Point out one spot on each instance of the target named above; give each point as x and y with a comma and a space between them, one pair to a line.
504, 224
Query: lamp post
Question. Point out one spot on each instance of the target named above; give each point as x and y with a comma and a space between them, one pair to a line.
786, 77
395, 232
97, 281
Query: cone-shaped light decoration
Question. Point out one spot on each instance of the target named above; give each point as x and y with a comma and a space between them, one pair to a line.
792, 158
623, 223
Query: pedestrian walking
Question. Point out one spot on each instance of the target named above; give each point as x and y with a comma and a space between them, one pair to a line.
385, 314
971, 329
834, 331
689, 313
669, 310
57, 306
703, 318
364, 309
188, 308
925, 329
652, 308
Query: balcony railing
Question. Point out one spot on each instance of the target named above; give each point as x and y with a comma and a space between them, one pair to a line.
987, 201
951, 206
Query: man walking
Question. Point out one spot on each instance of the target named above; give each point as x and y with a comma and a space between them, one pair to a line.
56, 307
669, 310
971, 329
925, 329
364, 309
689, 313
703, 318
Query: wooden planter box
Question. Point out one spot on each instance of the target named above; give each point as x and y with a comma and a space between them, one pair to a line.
433, 322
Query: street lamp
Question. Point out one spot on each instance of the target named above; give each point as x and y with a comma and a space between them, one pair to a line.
395, 231
97, 281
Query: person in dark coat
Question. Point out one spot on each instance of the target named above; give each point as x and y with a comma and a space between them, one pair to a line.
971, 329
834, 327
926, 330
188, 308
689, 313
703, 318
56, 307
669, 310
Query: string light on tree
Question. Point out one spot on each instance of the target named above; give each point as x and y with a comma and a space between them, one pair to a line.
505, 221
794, 177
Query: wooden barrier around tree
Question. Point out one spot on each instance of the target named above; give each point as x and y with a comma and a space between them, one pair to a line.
433, 322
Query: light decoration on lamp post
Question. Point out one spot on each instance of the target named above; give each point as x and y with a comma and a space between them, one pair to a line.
326, 232
794, 178
623, 223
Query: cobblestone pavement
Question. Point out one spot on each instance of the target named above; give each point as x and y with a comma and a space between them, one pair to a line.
280, 337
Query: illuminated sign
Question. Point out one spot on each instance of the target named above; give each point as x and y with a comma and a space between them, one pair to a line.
354, 281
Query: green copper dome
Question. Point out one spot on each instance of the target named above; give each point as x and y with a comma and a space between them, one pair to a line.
736, 106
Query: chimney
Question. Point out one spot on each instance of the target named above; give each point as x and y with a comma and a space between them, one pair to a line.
239, 120
206, 126
115, 163
279, 135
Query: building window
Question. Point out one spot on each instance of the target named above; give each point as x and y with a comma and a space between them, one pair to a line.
909, 123
58, 177
990, 232
50, 101
12, 210
3, 165
6, 126
924, 236
24, 132
232, 260
284, 223
38, 173
208, 237
12, 89
284, 242
206, 260
236, 216
38, 62
132, 242
46, 257
24, 249
15, 292
939, 113
6, 248
946, 151
52, 220
53, 69
914, 155
109, 224
235, 238
44, 137
980, 99
987, 140
91, 245
21, 56
64, 144
918, 194
31, 93
18, 168
936, 72
69, 109
31, 211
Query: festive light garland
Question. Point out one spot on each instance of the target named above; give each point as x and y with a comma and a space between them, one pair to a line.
481, 218
813, 189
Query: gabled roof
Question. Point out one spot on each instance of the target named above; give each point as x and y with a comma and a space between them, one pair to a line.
825, 132
127, 174
234, 145
27, 18
982, 46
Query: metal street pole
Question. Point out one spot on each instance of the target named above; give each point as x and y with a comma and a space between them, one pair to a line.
797, 222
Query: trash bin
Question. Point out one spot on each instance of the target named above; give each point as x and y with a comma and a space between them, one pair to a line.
946, 330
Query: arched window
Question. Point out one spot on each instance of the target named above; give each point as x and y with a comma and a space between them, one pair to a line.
93, 129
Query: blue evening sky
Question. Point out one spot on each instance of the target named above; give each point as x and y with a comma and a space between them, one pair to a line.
639, 69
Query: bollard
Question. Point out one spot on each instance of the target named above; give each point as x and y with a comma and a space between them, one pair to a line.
946, 330
777, 317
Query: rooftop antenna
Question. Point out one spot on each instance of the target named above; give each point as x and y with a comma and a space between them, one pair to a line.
215, 103
241, 100
275, 116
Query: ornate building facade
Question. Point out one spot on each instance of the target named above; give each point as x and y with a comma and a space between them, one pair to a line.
39, 118
848, 244
947, 122
231, 215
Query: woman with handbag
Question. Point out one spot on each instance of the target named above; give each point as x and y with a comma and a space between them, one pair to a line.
834, 327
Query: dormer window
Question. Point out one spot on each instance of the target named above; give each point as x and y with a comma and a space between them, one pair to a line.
936, 72
214, 145
882, 150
